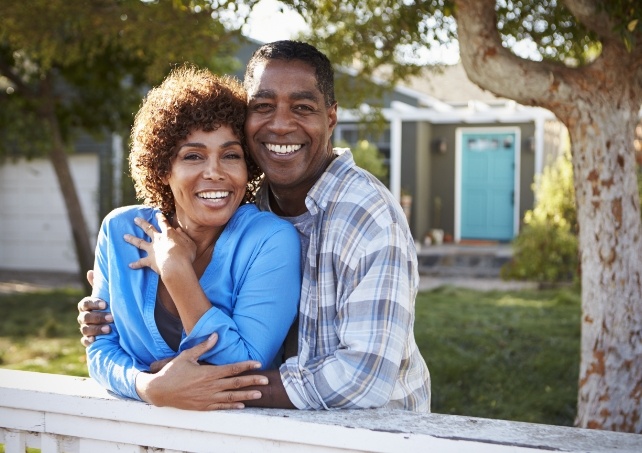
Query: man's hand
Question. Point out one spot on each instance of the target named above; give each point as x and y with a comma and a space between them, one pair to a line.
92, 323
185, 384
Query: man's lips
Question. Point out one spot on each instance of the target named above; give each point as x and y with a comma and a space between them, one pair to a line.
283, 149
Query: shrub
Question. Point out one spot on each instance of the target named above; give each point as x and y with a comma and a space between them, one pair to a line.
367, 156
546, 249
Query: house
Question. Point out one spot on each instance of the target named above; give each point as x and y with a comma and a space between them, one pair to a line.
467, 158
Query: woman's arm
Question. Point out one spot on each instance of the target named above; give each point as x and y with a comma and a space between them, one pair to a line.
265, 304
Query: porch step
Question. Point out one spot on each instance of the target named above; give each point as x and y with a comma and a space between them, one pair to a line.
463, 260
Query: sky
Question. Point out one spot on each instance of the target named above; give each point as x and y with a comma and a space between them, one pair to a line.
271, 22
267, 23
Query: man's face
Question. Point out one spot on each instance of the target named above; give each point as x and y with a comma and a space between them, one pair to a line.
288, 126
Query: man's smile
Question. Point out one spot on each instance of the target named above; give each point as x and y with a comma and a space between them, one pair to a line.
283, 149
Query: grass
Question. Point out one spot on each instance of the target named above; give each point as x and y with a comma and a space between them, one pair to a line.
39, 332
505, 355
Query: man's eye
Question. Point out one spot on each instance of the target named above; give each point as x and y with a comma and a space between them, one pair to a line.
261, 107
304, 108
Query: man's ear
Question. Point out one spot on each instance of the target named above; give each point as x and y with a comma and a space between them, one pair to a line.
333, 116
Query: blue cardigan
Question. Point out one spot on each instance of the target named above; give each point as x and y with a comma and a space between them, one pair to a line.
253, 282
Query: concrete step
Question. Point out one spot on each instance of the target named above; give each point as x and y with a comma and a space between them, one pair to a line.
456, 260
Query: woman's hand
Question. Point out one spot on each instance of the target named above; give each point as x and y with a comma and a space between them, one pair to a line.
168, 247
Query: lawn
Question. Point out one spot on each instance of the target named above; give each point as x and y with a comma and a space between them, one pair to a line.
506, 355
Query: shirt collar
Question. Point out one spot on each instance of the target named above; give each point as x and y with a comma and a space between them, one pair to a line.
322, 190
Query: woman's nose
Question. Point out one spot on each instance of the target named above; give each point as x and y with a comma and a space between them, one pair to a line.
213, 170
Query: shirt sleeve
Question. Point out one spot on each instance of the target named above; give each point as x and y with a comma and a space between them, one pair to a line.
107, 362
372, 323
265, 308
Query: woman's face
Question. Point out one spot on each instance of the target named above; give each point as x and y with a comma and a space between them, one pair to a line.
208, 178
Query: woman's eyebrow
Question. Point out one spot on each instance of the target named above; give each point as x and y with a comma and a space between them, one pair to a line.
192, 145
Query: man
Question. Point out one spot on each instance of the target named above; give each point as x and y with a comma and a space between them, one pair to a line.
356, 347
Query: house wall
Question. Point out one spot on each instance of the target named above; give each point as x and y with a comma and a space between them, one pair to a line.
442, 179
34, 230
423, 192
435, 174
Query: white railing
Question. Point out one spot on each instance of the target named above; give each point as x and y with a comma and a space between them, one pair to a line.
57, 413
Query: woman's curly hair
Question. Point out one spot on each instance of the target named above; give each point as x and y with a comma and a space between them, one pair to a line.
189, 99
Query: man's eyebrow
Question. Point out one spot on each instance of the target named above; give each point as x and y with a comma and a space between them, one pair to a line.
305, 95
297, 95
270, 94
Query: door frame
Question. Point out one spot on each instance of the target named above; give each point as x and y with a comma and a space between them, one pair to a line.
459, 133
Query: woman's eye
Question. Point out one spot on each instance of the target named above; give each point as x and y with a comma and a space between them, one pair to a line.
233, 155
191, 156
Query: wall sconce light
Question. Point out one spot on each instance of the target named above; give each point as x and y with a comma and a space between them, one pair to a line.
439, 145
530, 144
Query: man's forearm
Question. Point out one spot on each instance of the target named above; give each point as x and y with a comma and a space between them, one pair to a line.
273, 394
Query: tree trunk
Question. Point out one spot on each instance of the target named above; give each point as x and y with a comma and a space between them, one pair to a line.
610, 385
60, 163
599, 104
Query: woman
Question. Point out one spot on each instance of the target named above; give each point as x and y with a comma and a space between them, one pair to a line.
215, 263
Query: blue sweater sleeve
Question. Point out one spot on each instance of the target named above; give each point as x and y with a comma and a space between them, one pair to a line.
266, 304
108, 363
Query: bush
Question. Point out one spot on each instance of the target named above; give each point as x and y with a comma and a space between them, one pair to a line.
546, 249
367, 156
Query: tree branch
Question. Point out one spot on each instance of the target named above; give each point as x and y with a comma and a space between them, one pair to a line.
592, 17
488, 63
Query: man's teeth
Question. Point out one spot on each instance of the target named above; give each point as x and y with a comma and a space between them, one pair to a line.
283, 149
214, 195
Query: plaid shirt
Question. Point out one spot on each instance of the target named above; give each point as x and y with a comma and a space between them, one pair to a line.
356, 346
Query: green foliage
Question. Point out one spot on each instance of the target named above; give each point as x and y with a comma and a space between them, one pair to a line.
367, 156
564, 39
89, 63
504, 355
546, 249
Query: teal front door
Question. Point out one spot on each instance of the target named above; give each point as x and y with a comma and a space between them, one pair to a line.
487, 186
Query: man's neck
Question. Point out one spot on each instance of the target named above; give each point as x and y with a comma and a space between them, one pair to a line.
286, 203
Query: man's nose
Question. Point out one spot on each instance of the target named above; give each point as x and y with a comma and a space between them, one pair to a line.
282, 122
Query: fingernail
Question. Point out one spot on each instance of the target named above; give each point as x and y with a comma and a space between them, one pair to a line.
263, 381
109, 318
104, 329
102, 305
255, 395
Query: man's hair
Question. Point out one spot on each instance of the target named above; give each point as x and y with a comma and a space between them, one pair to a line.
295, 50
189, 99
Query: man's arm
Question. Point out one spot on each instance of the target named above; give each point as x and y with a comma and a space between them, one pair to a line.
185, 384
273, 394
